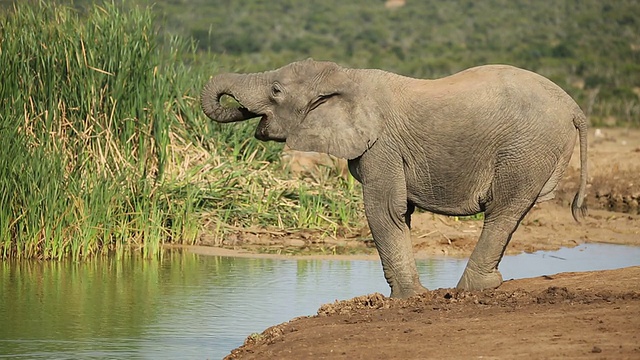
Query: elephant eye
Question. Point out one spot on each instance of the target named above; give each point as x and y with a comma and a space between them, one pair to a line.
276, 91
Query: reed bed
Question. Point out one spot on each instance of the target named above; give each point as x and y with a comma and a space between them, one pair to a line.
105, 150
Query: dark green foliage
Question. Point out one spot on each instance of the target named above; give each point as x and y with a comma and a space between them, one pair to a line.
582, 45
590, 47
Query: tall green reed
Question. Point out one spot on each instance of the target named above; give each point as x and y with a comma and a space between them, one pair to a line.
83, 114
105, 149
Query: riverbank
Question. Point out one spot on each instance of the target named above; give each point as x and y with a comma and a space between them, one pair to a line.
549, 226
571, 315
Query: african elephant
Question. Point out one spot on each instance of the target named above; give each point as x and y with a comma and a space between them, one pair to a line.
493, 139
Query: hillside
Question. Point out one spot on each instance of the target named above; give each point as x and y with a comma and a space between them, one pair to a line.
590, 48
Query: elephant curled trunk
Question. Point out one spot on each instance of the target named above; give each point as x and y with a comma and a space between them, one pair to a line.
213, 91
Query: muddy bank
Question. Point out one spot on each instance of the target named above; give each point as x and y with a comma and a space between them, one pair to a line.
614, 165
549, 226
571, 315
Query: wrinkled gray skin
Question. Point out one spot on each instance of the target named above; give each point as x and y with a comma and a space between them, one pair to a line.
492, 138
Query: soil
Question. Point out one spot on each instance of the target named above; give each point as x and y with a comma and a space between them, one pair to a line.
593, 315
572, 315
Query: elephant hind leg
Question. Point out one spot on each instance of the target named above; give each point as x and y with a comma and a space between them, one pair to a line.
482, 269
513, 198
549, 188
548, 191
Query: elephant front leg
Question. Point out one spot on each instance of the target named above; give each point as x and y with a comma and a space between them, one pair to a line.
388, 215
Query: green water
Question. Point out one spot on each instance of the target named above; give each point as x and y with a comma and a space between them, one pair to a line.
74, 309
182, 306
186, 306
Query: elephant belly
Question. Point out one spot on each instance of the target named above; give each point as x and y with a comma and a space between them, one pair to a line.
452, 193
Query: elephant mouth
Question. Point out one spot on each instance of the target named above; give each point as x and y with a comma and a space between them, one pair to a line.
263, 132
262, 129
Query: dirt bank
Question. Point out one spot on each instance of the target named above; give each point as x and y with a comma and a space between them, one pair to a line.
573, 315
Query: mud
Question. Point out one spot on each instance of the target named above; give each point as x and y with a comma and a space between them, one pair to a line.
574, 315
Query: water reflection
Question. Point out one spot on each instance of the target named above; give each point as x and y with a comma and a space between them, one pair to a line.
190, 306
583, 257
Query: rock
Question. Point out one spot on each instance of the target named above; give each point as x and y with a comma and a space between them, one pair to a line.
296, 242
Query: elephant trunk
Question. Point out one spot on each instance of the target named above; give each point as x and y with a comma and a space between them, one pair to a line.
214, 90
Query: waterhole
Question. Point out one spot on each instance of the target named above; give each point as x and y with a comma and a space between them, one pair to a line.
193, 306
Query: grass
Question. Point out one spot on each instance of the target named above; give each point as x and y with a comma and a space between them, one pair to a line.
105, 149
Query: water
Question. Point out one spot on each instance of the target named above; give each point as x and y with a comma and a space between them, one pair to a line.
191, 306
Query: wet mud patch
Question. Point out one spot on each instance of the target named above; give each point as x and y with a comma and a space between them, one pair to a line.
447, 299
617, 192
613, 167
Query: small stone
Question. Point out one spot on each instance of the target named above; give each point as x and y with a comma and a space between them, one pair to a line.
596, 350
296, 242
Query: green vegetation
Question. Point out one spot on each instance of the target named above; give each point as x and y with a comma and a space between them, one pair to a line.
105, 147
589, 47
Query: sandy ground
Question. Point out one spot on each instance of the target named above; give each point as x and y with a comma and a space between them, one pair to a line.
576, 315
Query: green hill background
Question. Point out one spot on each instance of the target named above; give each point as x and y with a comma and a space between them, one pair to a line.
589, 47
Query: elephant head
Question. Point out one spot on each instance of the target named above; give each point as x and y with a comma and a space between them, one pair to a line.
313, 106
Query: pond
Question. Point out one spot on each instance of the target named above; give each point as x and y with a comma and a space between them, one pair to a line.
194, 306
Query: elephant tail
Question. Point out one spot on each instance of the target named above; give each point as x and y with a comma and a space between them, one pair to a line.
579, 206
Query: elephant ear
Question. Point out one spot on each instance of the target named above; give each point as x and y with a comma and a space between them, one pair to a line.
343, 122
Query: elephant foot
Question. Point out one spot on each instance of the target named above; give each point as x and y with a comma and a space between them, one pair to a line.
474, 280
403, 293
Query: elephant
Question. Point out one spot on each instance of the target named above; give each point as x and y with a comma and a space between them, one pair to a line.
493, 138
